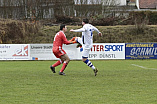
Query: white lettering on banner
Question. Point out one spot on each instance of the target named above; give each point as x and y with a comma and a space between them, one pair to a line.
143, 51
21, 52
155, 53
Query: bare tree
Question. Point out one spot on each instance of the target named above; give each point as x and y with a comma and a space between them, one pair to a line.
40, 9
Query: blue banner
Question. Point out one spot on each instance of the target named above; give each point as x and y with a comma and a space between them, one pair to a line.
141, 51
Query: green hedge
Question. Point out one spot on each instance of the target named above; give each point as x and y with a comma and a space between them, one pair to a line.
18, 32
111, 34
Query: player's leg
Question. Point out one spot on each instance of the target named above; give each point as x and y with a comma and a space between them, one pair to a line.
65, 59
55, 65
79, 41
58, 54
85, 55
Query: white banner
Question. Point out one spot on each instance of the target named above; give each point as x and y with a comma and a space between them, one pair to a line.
14, 52
98, 51
72, 51
41, 52
44, 51
107, 51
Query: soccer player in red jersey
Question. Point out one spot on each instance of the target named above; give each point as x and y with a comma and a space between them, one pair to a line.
59, 40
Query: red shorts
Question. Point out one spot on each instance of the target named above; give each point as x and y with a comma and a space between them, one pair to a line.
58, 52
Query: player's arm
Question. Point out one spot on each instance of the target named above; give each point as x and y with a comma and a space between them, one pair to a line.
65, 41
73, 40
95, 29
78, 30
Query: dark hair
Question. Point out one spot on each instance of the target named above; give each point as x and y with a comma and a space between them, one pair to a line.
62, 26
85, 20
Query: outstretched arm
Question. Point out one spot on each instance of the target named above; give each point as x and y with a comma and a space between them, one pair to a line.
65, 41
95, 29
78, 30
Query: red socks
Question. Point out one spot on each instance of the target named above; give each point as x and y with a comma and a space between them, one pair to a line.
63, 67
60, 62
57, 63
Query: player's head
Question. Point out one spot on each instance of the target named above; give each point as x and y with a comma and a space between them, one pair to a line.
85, 21
63, 28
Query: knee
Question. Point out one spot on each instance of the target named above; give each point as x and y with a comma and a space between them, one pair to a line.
84, 59
68, 60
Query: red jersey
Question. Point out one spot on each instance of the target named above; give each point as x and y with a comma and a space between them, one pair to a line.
60, 39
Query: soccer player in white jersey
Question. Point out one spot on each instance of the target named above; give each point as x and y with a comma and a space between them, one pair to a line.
87, 41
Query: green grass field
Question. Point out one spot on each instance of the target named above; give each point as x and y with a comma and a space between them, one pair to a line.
118, 82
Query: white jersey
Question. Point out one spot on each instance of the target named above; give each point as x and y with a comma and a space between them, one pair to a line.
87, 35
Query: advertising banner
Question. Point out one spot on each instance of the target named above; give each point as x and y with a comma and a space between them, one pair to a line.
141, 51
107, 51
41, 52
98, 51
44, 51
14, 52
72, 51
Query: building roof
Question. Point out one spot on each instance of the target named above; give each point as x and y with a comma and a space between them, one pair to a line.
148, 4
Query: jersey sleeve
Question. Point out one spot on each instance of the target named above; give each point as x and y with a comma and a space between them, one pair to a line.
79, 30
65, 41
95, 29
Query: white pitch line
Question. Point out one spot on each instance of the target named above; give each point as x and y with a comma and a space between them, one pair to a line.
143, 67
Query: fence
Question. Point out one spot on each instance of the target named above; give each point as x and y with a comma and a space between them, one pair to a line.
99, 51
